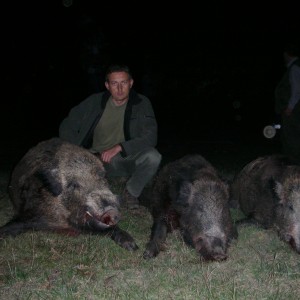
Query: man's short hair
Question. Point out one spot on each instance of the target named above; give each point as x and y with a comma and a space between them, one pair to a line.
117, 68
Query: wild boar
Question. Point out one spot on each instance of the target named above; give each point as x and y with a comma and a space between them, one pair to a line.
189, 194
267, 190
61, 187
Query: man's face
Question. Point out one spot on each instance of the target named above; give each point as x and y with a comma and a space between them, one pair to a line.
119, 85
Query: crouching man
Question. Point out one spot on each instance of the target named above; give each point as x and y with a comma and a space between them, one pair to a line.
119, 127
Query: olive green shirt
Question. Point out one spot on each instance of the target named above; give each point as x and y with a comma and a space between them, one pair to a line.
109, 130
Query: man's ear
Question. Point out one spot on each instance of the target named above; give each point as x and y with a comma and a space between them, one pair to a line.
106, 85
131, 83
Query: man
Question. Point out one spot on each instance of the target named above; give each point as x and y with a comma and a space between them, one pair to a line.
119, 126
287, 96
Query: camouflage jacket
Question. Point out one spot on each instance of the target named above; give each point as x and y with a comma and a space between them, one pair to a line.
140, 126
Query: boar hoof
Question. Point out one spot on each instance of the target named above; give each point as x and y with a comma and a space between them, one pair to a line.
148, 254
130, 245
151, 252
124, 239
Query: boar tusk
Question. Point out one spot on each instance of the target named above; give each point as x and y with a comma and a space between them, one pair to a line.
89, 213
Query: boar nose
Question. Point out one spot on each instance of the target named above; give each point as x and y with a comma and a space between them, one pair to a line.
110, 217
213, 249
294, 242
219, 255
213, 254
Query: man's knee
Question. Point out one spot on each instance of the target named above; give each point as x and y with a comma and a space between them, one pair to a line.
151, 156
154, 157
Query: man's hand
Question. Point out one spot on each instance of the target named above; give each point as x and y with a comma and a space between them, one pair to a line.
108, 154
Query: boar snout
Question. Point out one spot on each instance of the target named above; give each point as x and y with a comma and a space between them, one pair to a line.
292, 237
211, 248
109, 218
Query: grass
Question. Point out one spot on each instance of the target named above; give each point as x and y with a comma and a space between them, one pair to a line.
39, 265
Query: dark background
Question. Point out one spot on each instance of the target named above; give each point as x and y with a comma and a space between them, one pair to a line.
209, 68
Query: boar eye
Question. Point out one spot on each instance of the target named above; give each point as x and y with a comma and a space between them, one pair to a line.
94, 195
290, 207
73, 185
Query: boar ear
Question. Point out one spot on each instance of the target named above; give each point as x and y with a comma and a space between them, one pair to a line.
185, 192
278, 189
50, 180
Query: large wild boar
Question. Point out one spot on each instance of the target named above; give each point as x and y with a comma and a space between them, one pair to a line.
60, 187
190, 195
267, 190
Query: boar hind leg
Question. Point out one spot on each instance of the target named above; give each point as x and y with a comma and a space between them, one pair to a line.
158, 237
123, 239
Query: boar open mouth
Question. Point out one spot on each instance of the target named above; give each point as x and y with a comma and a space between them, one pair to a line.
107, 219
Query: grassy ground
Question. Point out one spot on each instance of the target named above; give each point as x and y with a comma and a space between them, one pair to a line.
39, 265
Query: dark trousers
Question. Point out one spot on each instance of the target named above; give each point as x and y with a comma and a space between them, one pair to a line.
140, 168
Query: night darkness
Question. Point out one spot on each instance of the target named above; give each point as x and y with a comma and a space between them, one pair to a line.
210, 70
